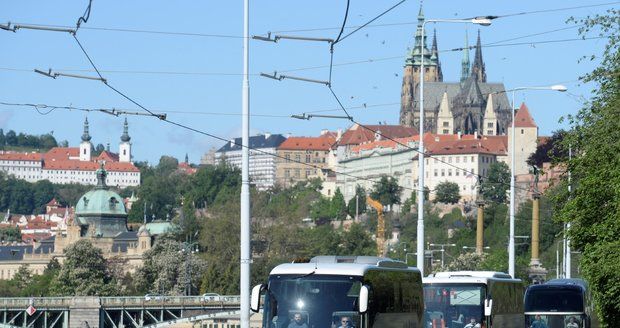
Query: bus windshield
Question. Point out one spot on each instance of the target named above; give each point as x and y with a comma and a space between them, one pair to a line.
555, 321
554, 300
312, 301
453, 305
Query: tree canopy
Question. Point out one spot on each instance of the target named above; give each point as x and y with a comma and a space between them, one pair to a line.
447, 192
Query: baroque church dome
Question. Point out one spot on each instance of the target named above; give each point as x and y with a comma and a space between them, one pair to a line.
101, 201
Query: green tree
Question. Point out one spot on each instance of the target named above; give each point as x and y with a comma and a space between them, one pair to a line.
593, 208
447, 192
23, 277
357, 241
322, 209
165, 266
387, 191
2, 139
43, 193
83, 273
494, 187
358, 202
10, 234
11, 138
549, 151
338, 205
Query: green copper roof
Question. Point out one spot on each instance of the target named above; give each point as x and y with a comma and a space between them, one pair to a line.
158, 228
101, 201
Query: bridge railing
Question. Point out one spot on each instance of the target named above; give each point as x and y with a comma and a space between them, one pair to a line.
161, 300
12, 302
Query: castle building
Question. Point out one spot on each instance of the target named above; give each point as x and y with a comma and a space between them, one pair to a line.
263, 149
100, 217
469, 106
301, 158
64, 165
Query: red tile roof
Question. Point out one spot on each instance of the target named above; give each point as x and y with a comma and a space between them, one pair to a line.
10, 156
107, 156
496, 145
523, 118
429, 138
184, 167
53, 202
60, 153
357, 134
323, 142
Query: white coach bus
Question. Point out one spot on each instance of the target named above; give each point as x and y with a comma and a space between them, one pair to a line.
342, 291
473, 299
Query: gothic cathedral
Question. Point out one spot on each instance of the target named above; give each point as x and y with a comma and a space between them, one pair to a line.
469, 106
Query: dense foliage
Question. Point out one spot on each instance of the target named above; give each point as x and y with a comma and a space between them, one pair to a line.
447, 192
593, 209
12, 139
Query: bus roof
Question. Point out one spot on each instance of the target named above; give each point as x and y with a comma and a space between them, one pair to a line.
574, 281
341, 265
469, 277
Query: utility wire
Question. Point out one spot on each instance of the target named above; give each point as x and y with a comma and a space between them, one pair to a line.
120, 111
558, 9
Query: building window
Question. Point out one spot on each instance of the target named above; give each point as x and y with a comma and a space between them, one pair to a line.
490, 125
287, 173
449, 172
446, 131
445, 125
297, 158
435, 172
308, 173
456, 172
297, 173
489, 132
457, 159
522, 131
308, 158
473, 159
464, 159
443, 172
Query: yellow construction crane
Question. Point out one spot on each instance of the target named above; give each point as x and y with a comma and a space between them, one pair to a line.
380, 225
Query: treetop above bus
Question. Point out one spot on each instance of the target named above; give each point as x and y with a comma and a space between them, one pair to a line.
339, 265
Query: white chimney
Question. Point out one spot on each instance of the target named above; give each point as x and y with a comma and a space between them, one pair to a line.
267, 135
324, 132
232, 142
460, 135
476, 134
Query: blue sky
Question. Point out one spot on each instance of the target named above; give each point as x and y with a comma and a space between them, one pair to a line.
142, 65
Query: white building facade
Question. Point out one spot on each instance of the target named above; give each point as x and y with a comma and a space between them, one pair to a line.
64, 165
263, 151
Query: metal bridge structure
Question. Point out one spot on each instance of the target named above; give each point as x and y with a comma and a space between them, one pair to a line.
113, 312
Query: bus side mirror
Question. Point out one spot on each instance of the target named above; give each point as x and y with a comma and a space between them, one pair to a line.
363, 299
488, 305
255, 299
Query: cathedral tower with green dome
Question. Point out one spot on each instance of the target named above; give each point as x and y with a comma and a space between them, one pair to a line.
101, 212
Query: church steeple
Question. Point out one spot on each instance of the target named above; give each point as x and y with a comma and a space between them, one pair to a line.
85, 145
125, 137
465, 60
477, 68
435, 56
86, 136
124, 149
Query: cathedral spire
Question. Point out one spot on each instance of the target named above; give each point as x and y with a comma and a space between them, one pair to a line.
465, 60
435, 56
125, 137
477, 68
86, 136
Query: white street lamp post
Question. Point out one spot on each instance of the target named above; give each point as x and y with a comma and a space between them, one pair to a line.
511, 242
481, 20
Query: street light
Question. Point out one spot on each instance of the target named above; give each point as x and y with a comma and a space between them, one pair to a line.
404, 249
474, 247
479, 20
442, 250
511, 243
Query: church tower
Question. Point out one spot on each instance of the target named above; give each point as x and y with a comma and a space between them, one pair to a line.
445, 120
411, 74
465, 60
477, 68
85, 145
490, 126
124, 152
